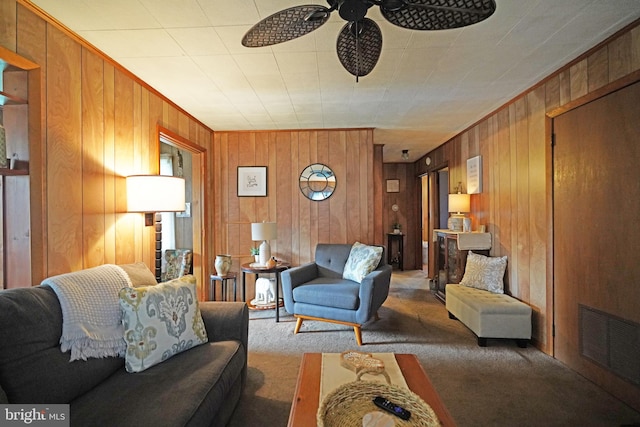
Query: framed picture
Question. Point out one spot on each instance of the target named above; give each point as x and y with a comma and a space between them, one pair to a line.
393, 186
474, 175
252, 181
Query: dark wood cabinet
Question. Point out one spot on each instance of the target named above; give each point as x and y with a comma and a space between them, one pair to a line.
452, 248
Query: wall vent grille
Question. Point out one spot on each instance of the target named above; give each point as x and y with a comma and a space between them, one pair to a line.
611, 342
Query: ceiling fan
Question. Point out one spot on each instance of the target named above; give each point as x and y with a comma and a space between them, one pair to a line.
360, 41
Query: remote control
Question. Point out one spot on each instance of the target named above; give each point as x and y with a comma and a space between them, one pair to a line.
399, 411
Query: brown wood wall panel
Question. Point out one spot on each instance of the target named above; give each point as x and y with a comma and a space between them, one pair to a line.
8, 29
98, 124
513, 142
93, 176
344, 218
64, 148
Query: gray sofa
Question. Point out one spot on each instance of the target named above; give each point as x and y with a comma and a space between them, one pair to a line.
199, 387
317, 290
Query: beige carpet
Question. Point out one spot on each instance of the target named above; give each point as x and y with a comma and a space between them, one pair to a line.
499, 385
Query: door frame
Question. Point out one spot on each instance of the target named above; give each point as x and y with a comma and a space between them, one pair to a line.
199, 203
550, 116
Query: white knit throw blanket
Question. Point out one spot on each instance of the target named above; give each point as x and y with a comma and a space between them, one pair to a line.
91, 316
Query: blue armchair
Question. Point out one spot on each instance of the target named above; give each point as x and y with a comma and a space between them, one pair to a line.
318, 291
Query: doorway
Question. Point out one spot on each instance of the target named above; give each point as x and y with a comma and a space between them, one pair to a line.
181, 157
596, 199
435, 206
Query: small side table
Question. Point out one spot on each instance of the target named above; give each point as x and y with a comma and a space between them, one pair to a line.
223, 282
280, 267
391, 260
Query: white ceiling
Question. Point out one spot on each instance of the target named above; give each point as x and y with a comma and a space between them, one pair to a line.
426, 87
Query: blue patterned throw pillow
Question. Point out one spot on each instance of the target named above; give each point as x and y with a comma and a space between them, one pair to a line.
160, 321
363, 259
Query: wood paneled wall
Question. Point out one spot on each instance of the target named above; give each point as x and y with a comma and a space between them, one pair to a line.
351, 214
99, 124
515, 146
408, 202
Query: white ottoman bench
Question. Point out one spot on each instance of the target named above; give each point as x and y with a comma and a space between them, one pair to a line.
489, 315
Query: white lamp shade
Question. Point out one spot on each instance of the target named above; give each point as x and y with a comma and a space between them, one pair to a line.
155, 193
459, 202
264, 231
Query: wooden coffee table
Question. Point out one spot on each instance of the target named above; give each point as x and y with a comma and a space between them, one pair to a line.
307, 394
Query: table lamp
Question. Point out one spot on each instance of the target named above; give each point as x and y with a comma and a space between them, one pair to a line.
458, 203
264, 231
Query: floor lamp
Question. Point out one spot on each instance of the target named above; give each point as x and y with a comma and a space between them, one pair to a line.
150, 194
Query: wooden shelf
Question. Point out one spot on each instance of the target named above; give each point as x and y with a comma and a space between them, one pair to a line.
8, 99
13, 172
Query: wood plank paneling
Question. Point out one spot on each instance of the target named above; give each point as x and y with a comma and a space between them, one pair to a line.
93, 176
8, 27
98, 125
517, 168
302, 224
64, 152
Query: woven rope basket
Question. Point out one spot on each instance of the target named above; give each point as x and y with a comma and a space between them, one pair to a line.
346, 405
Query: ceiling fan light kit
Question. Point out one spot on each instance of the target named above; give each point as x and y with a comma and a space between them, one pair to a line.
360, 41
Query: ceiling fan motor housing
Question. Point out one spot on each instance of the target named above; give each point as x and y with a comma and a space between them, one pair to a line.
353, 10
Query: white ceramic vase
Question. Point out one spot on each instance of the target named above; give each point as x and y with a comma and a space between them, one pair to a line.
223, 264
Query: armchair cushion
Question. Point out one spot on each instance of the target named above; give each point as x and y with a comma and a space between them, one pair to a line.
338, 293
363, 259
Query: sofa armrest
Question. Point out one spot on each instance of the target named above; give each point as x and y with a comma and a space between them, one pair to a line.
226, 321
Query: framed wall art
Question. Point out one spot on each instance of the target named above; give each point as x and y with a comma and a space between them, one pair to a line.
393, 186
474, 175
252, 181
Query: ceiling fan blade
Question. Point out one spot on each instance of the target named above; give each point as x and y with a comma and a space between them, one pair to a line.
286, 25
437, 14
359, 45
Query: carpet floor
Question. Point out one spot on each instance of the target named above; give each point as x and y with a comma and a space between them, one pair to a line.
497, 385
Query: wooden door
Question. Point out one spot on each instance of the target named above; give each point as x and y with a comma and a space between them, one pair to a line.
596, 160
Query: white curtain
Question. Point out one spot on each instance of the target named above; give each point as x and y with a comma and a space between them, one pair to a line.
168, 218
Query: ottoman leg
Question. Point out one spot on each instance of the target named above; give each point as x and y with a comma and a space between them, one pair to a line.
522, 343
482, 342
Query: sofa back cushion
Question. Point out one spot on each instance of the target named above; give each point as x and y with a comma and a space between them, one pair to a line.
32, 367
332, 257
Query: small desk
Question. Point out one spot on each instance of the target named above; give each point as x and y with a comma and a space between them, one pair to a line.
223, 282
393, 237
279, 268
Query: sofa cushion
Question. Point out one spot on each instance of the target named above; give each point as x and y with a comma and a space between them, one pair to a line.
139, 274
34, 358
363, 259
160, 321
173, 393
485, 273
339, 293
